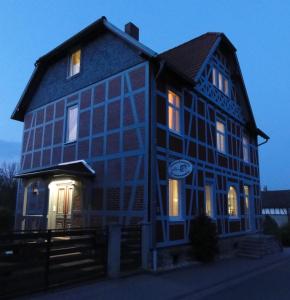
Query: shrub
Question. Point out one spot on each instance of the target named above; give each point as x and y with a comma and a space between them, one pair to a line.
204, 239
285, 235
270, 226
6, 219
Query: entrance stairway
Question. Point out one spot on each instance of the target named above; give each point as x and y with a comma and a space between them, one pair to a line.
258, 245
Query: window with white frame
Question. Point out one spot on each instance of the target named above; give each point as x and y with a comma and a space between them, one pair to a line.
220, 136
72, 123
209, 201
246, 148
75, 63
174, 122
220, 81
174, 193
232, 202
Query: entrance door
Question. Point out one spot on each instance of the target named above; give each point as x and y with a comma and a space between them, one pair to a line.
63, 209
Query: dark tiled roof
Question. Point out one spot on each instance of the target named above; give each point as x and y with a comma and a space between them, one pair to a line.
189, 57
275, 199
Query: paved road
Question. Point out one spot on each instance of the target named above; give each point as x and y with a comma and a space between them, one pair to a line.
273, 284
237, 278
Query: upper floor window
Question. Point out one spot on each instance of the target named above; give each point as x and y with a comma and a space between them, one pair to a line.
75, 63
174, 112
232, 202
220, 81
209, 202
174, 198
246, 149
72, 123
220, 136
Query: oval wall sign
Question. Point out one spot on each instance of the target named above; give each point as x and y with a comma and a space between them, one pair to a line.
179, 169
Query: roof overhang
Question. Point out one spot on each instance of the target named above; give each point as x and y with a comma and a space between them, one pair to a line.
73, 168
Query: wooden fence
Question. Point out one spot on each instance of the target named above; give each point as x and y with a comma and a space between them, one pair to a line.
31, 261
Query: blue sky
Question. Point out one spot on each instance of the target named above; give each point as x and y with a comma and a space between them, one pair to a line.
260, 30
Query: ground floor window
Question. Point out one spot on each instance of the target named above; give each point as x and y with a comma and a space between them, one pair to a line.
232, 202
174, 198
209, 201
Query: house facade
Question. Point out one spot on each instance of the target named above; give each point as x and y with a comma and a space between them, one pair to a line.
276, 204
117, 133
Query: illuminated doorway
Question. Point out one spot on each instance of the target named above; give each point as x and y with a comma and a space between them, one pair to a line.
64, 197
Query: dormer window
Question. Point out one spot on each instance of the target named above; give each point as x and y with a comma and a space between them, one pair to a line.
75, 63
220, 81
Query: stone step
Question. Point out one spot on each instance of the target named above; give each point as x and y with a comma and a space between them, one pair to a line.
258, 246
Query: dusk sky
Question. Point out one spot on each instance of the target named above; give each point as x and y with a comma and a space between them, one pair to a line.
260, 30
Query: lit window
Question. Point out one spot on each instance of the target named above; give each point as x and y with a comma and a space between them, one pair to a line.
246, 149
72, 123
220, 81
174, 198
232, 202
246, 206
75, 63
174, 112
220, 137
209, 204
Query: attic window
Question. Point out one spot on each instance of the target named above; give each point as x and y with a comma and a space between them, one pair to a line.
75, 63
220, 81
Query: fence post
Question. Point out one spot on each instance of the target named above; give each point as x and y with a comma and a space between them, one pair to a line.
114, 250
146, 242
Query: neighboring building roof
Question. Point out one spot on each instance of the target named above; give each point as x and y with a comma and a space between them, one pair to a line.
275, 199
78, 167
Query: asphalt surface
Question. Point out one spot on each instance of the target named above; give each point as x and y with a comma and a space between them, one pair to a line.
237, 278
273, 284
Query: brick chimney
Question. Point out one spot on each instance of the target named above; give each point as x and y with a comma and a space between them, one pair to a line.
132, 30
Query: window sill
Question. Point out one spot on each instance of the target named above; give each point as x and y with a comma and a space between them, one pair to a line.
234, 218
175, 220
73, 76
71, 142
178, 133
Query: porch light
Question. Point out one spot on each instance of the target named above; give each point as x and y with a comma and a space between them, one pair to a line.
35, 190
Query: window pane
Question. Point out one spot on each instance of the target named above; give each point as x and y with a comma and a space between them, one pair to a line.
174, 111
220, 137
232, 202
246, 148
209, 201
220, 126
75, 63
226, 87
170, 117
72, 123
174, 194
214, 73
220, 81
246, 194
173, 99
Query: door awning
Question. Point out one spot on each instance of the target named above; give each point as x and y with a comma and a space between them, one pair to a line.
76, 168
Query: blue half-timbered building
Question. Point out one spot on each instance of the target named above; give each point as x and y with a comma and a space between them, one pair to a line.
117, 133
